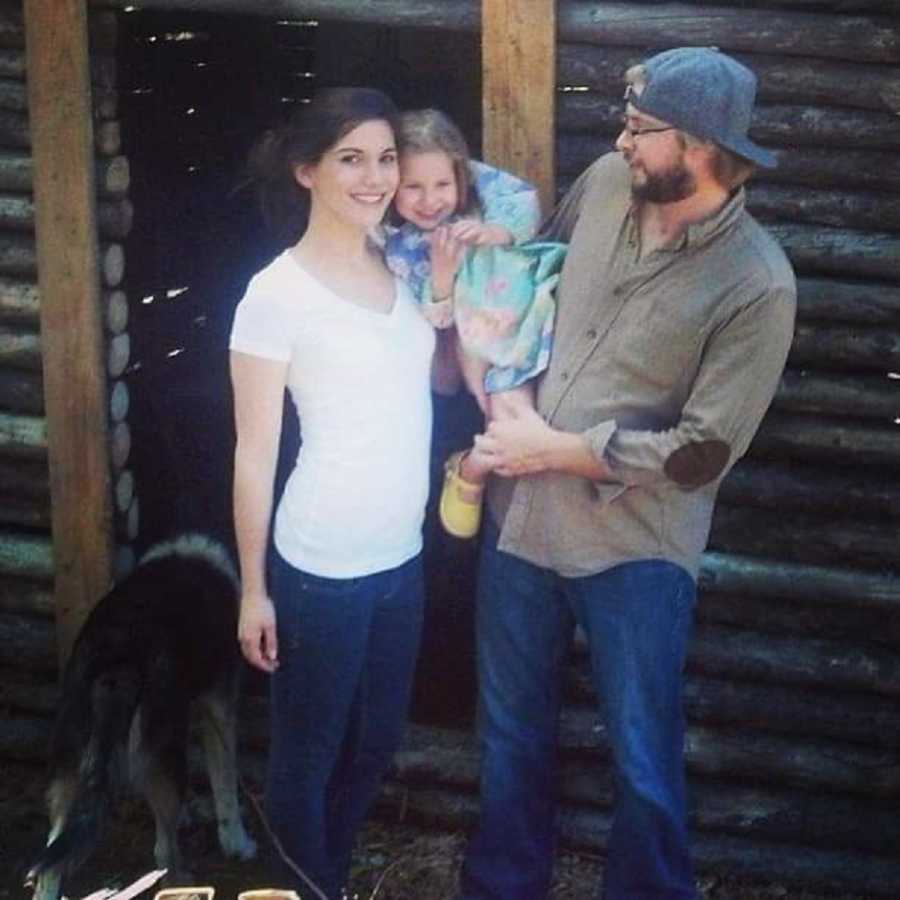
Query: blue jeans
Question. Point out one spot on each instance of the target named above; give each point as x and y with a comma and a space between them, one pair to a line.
637, 617
339, 701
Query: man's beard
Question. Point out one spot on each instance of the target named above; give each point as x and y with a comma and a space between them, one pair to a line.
670, 186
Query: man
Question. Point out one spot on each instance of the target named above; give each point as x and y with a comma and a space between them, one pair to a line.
675, 315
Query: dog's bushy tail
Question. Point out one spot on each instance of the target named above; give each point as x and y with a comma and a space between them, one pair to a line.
90, 741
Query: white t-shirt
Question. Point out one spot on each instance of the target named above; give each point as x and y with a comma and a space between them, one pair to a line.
355, 500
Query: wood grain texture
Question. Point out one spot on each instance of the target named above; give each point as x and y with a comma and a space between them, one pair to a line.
59, 99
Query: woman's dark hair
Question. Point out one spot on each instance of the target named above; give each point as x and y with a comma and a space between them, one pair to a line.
303, 139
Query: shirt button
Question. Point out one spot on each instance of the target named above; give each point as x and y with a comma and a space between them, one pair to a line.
564, 376
591, 333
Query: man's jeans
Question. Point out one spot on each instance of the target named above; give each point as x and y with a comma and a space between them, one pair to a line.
347, 651
637, 618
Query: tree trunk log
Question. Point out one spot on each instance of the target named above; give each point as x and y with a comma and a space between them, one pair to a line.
802, 616
112, 264
124, 490
104, 72
114, 218
821, 491
780, 125
116, 304
19, 513
804, 538
119, 401
844, 301
816, 35
780, 79
128, 523
832, 586
112, 176
862, 396
815, 440
851, 169
854, 347
23, 436
25, 556
840, 209
20, 349
27, 643
119, 444
19, 595
118, 354
103, 28
24, 478
25, 693
19, 302
17, 258
21, 392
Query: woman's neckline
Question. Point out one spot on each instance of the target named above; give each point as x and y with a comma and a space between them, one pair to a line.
345, 301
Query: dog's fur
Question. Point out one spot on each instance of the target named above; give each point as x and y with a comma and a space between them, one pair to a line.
161, 644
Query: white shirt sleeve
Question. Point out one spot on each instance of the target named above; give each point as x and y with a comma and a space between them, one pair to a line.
260, 325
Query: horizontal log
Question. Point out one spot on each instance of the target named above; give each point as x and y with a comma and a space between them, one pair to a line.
14, 98
865, 210
104, 71
127, 524
27, 692
20, 301
114, 218
757, 757
108, 138
27, 643
777, 534
24, 555
779, 125
815, 35
119, 401
868, 170
817, 490
26, 595
862, 396
827, 299
118, 354
17, 512
733, 574
837, 441
16, 135
123, 490
116, 306
430, 760
801, 616
745, 655
583, 830
847, 347
18, 259
842, 252
23, 436
112, 176
25, 478
771, 706
119, 444
21, 392
20, 348
781, 79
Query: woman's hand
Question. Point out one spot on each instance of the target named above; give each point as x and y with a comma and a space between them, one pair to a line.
256, 632
475, 233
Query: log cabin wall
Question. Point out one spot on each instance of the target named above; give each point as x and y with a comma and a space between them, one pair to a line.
28, 644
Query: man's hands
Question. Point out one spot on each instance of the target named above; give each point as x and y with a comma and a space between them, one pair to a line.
256, 632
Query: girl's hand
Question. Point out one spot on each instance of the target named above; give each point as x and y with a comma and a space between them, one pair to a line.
256, 632
475, 233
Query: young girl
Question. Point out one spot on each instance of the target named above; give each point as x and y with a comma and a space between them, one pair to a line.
461, 247
338, 625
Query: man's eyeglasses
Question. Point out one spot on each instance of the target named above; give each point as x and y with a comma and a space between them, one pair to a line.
636, 131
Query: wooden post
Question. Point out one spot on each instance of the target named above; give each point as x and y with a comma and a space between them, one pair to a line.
518, 52
59, 100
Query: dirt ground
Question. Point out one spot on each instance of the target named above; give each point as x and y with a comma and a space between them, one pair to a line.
394, 861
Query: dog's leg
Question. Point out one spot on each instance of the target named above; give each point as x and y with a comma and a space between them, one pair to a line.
217, 728
59, 799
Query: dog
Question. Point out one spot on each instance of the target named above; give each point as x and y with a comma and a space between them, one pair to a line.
159, 648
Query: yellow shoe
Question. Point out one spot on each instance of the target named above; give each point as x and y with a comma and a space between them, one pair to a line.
460, 506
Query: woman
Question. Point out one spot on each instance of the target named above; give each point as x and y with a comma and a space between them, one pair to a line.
338, 626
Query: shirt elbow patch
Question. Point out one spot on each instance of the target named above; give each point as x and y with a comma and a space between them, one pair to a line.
694, 465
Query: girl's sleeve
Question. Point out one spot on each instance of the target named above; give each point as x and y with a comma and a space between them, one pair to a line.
507, 200
259, 326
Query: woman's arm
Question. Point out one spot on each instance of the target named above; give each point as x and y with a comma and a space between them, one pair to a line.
258, 402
